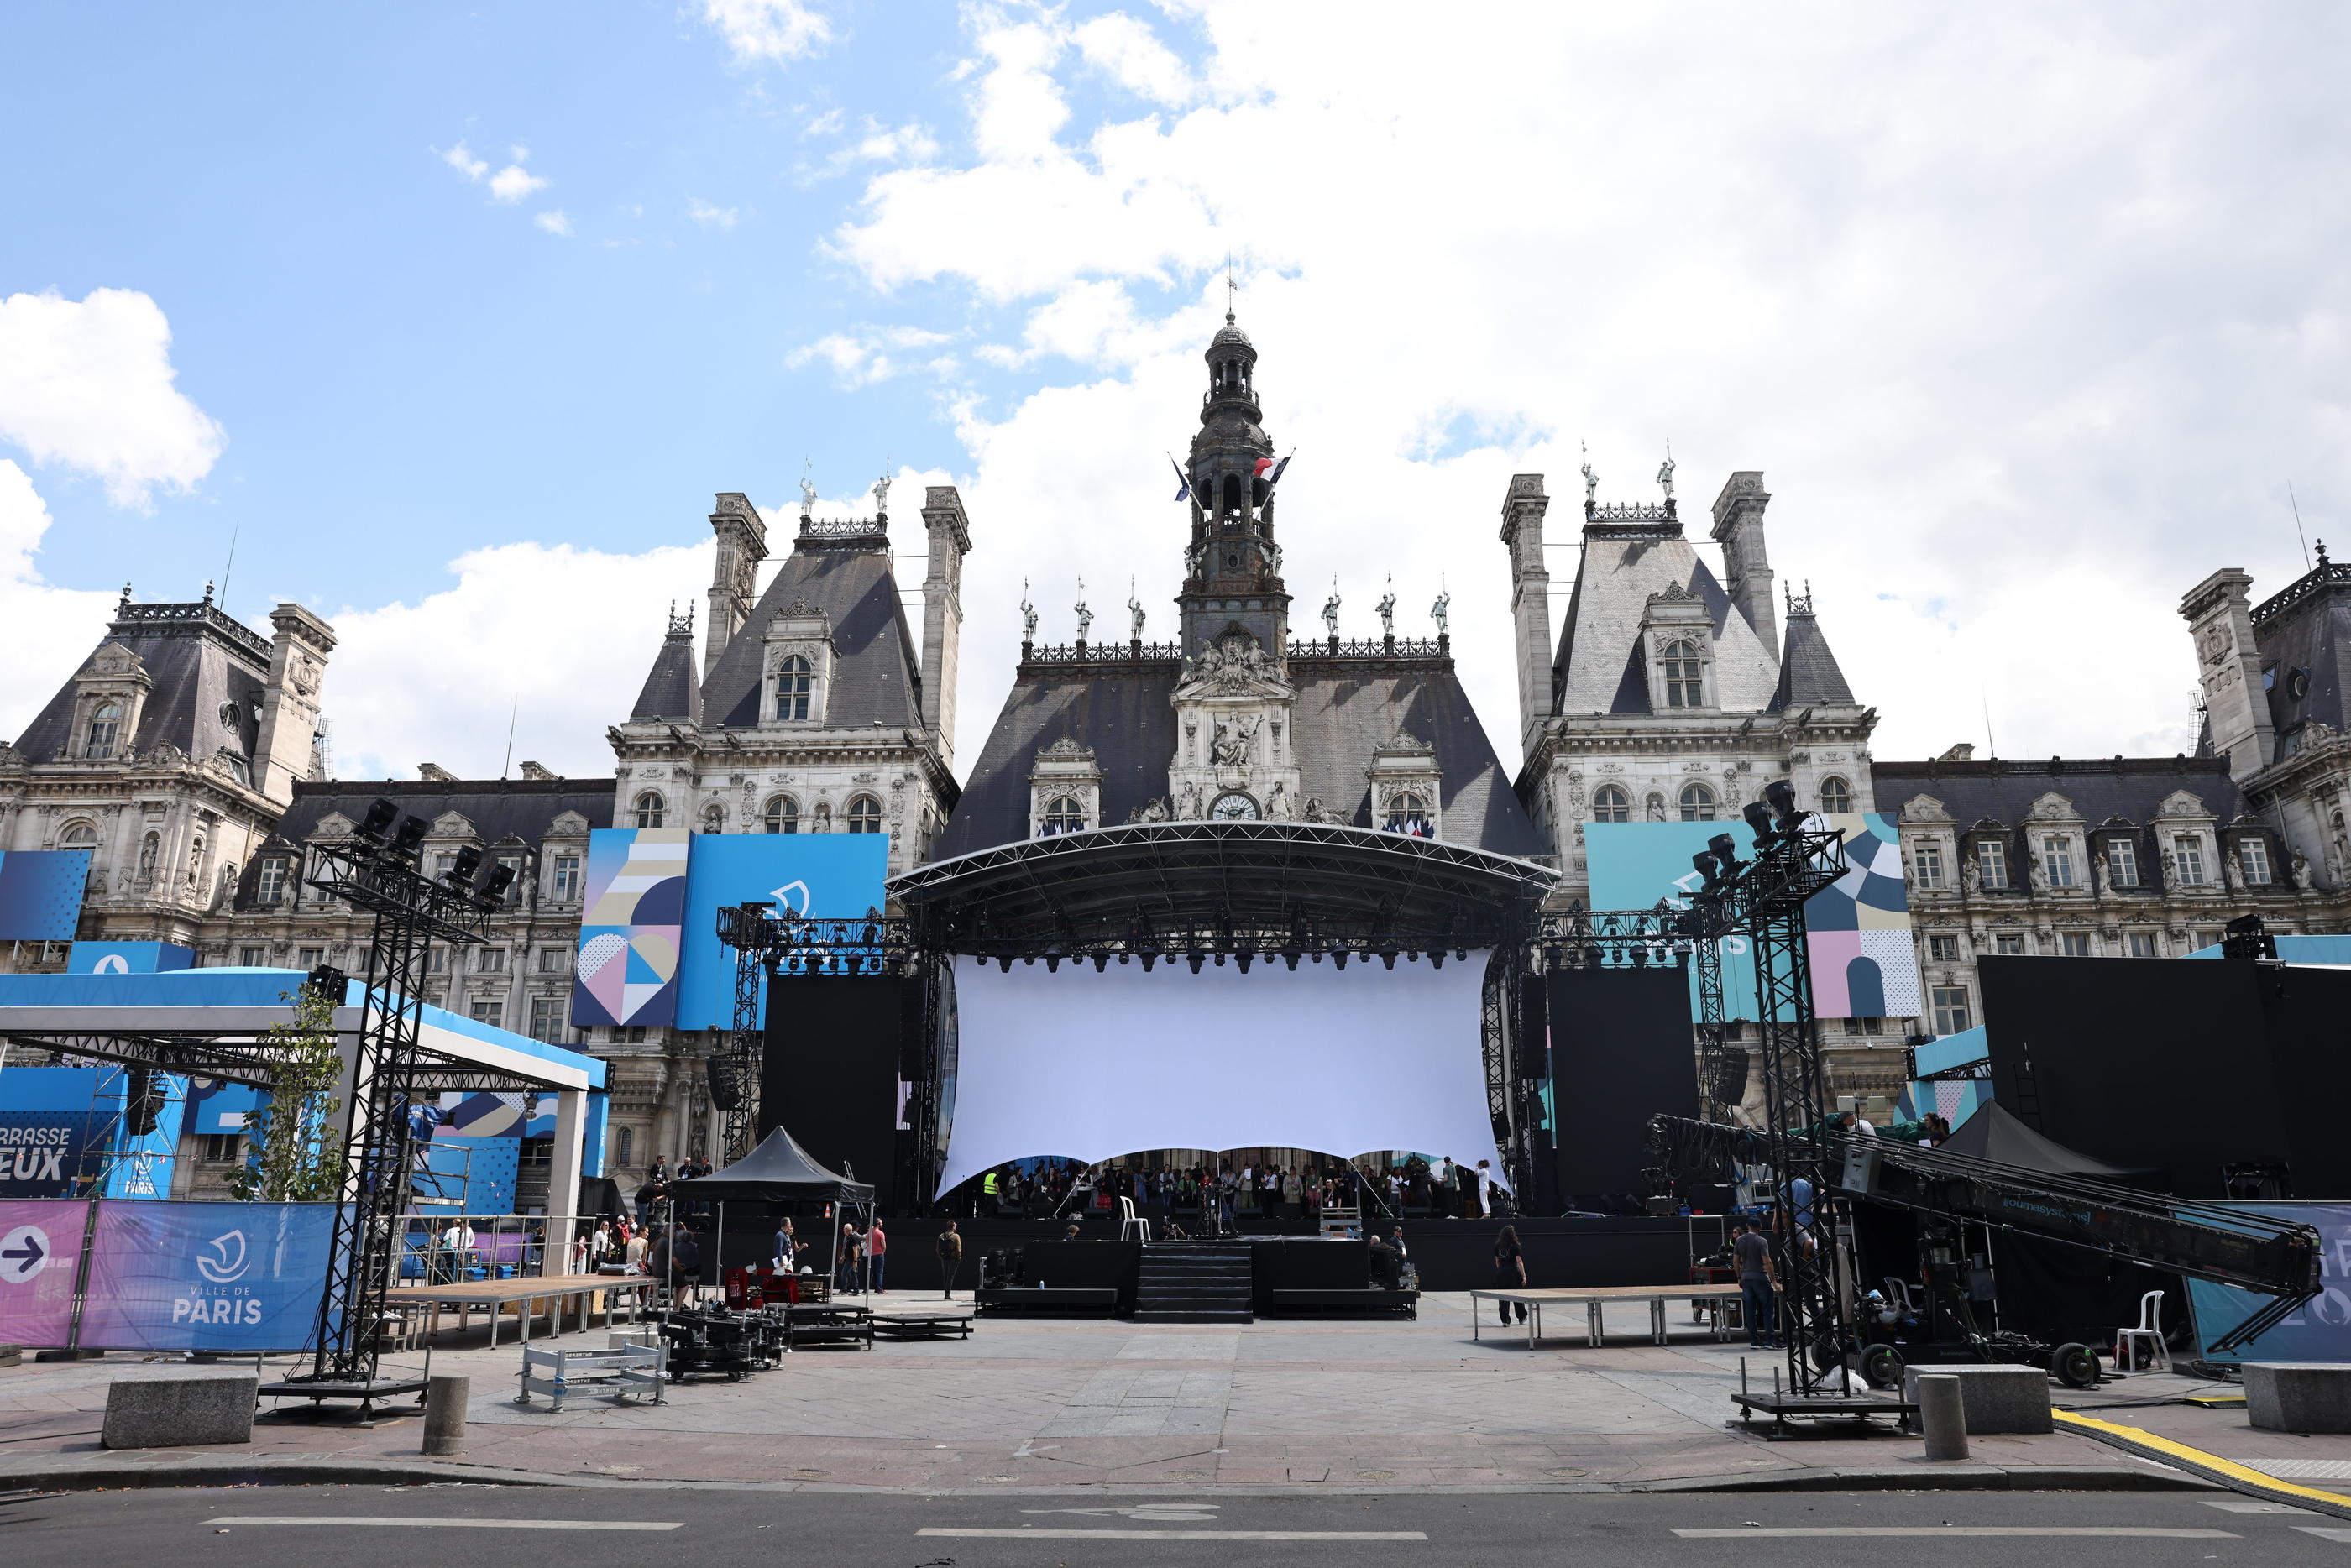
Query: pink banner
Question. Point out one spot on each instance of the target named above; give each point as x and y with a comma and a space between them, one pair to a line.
40, 1248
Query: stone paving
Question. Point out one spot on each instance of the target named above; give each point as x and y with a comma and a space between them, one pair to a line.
1383, 1404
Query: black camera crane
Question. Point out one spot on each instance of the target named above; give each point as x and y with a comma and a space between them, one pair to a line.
2210, 1242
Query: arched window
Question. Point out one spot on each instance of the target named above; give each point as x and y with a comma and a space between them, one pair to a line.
1610, 803
1234, 503
714, 818
1684, 675
1063, 816
1698, 802
78, 835
795, 679
865, 814
1408, 812
782, 815
105, 728
624, 1145
650, 809
1836, 796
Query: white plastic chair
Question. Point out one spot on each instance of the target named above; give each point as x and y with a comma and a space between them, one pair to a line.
2150, 1329
1130, 1225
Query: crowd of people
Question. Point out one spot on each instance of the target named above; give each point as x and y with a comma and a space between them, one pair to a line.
1208, 1199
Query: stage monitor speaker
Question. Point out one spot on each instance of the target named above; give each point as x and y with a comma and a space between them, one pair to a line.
1622, 1051
719, 1072
831, 1071
1730, 1076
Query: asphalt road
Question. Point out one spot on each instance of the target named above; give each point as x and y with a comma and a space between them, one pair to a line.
545, 1527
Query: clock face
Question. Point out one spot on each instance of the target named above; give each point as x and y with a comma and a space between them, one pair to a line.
1233, 808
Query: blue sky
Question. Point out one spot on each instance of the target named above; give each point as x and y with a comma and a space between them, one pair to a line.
459, 317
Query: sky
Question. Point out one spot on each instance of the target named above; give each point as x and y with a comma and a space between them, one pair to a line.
448, 322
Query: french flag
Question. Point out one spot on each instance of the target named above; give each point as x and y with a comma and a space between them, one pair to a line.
1268, 476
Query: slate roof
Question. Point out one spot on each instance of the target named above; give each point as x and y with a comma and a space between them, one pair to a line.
1341, 716
674, 689
501, 810
1808, 670
2310, 638
877, 670
1600, 666
2102, 789
199, 659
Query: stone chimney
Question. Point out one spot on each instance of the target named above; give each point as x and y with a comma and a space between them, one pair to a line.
1738, 529
950, 537
2228, 667
289, 702
1524, 507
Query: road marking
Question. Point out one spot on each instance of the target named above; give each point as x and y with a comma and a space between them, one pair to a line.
430, 1521
2246, 1505
1960, 1530
2331, 1532
1025, 1533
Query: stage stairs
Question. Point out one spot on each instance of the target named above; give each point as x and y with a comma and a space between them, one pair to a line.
1342, 1222
1194, 1281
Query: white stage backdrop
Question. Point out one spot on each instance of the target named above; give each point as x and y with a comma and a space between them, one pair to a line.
1085, 1065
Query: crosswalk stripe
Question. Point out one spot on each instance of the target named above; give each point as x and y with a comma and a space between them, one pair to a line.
430, 1521
1027, 1534
2140, 1529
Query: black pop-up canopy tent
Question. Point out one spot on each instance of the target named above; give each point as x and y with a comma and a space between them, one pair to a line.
778, 1170
1995, 1133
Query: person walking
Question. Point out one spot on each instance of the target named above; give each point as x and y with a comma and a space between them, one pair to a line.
950, 1259
1510, 1270
877, 1253
845, 1277
1759, 1283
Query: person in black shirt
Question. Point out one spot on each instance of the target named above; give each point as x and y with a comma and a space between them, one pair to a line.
1759, 1283
1510, 1270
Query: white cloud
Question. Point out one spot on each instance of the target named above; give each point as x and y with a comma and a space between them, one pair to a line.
513, 182
571, 633
464, 162
87, 385
45, 631
2026, 322
711, 217
861, 358
1131, 53
554, 223
770, 30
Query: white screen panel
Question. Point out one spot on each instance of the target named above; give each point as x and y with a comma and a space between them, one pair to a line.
1086, 1065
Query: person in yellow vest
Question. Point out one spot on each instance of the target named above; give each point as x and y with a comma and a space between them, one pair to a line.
987, 1192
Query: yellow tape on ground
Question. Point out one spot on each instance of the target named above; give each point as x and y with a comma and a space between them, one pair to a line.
2251, 1479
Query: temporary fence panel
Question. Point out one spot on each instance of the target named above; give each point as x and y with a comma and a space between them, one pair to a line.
2320, 1330
40, 1250
239, 1277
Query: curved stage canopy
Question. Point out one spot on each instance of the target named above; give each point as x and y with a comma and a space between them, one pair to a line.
1265, 884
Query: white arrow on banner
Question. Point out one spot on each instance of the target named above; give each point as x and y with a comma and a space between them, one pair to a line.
784, 897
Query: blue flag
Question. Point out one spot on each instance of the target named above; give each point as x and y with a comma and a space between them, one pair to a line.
1183, 486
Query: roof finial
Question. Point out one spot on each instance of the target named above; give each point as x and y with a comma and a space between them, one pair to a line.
1027, 616
2322, 555
1665, 473
208, 590
1591, 480
1232, 288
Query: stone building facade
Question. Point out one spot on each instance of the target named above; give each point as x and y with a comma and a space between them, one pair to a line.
170, 755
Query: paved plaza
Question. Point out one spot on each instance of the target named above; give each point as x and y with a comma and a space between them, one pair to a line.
1052, 1403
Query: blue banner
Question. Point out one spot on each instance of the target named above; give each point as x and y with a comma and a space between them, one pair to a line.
2321, 1331
206, 1276
821, 876
41, 894
128, 957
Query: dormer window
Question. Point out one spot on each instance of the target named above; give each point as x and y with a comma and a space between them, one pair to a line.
1836, 796
782, 815
2254, 857
270, 886
650, 809
1064, 815
2188, 855
1697, 803
105, 728
795, 681
1991, 862
1685, 677
2057, 860
1408, 813
2122, 863
1610, 803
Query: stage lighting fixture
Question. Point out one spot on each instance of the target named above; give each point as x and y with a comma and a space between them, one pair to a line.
1708, 868
1554, 956
1437, 960
1759, 819
378, 821
501, 878
1220, 961
410, 837
1725, 850
1006, 962
1126, 957
1388, 959
1028, 959
1780, 794
1640, 957
1196, 959
1594, 957
1291, 959
1102, 962
1244, 961
1338, 958
1052, 963
461, 869
1148, 960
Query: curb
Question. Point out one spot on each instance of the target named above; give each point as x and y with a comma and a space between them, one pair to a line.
226, 1470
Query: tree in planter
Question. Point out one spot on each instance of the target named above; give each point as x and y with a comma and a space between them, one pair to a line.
289, 1157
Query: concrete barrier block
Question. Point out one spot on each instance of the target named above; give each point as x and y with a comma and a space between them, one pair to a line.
2298, 1396
173, 1412
1997, 1399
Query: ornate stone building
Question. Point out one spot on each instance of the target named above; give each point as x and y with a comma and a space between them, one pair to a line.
169, 756
1670, 694
1236, 719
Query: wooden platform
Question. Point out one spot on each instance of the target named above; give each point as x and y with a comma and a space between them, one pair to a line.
492, 1296
1594, 1298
